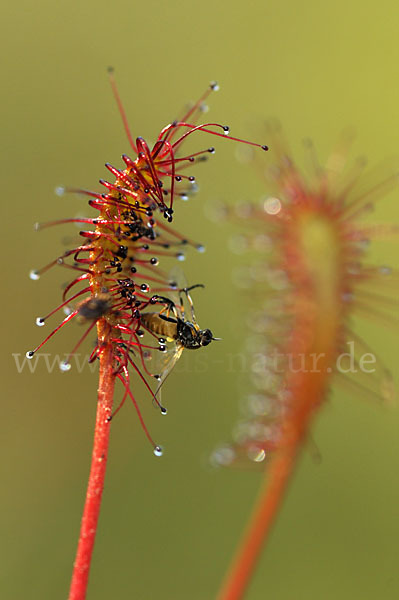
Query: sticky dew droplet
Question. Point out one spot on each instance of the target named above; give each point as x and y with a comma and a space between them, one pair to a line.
384, 270
272, 205
59, 190
256, 455
33, 274
238, 243
222, 457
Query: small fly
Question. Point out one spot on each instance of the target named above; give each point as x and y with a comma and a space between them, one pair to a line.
171, 324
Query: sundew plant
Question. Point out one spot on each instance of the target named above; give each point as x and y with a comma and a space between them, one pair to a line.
308, 274
119, 291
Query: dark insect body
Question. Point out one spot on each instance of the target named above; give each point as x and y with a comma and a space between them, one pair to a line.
171, 324
94, 307
176, 329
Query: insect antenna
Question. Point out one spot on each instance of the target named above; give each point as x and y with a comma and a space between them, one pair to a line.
192, 287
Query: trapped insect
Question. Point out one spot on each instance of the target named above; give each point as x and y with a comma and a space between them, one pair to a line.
117, 261
173, 326
118, 281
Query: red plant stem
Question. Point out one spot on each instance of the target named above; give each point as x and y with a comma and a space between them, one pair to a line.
313, 262
269, 500
95, 486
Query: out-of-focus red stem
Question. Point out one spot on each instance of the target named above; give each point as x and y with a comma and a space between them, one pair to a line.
95, 486
270, 497
313, 248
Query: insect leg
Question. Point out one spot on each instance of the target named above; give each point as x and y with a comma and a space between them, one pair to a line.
186, 290
170, 306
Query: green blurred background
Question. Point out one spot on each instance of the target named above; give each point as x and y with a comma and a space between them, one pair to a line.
168, 526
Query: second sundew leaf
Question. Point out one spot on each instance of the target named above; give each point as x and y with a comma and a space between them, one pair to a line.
318, 247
